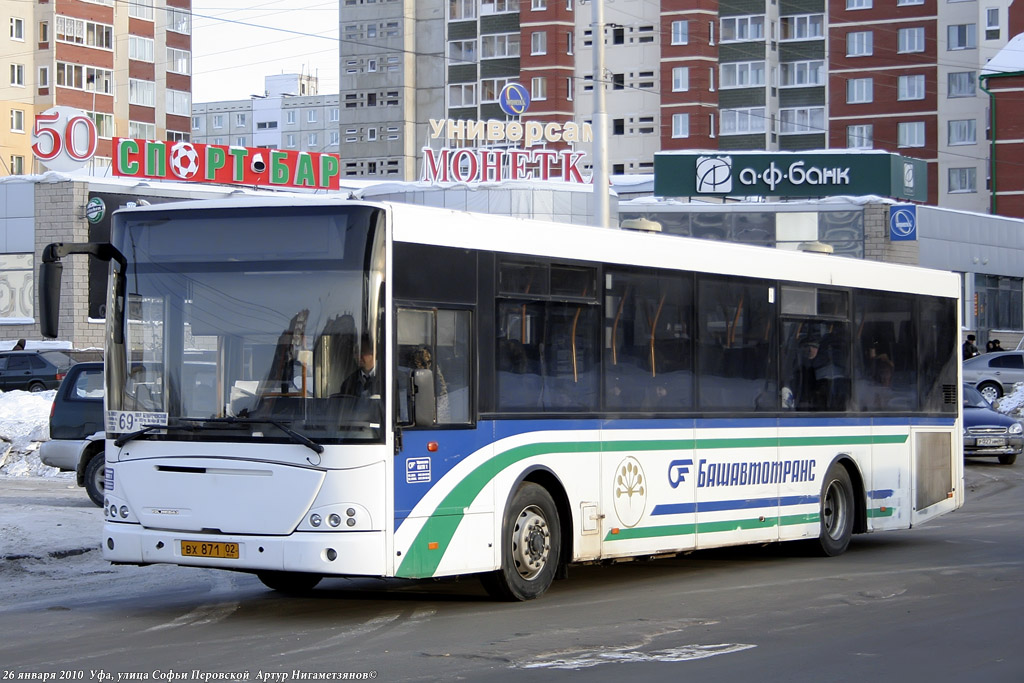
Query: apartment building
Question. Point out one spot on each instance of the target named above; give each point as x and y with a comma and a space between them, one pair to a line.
126, 63
290, 114
899, 75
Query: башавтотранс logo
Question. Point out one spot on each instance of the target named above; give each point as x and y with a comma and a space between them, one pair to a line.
714, 174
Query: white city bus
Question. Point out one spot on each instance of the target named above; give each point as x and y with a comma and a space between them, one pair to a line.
395, 391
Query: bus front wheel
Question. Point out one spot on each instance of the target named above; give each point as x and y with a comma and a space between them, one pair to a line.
837, 511
530, 546
294, 583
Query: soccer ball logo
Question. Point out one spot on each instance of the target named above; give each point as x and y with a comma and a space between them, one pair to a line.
714, 174
184, 160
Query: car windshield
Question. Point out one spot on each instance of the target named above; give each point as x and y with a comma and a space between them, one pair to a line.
974, 399
249, 324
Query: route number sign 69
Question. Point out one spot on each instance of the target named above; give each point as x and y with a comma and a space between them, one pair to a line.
63, 138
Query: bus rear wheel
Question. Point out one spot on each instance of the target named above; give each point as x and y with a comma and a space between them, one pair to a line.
530, 546
293, 583
837, 511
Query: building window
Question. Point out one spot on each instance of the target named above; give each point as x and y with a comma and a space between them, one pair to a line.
461, 9
239, 120
963, 132
197, 122
538, 5
539, 43
962, 36
490, 88
104, 124
18, 74
859, 43
17, 29
143, 131
311, 116
910, 87
334, 115
802, 120
742, 121
289, 140
860, 90
680, 125
910, 134
334, 138
999, 301
802, 74
371, 134
460, 51
87, 33
904, 3
179, 20
858, 4
569, 38
680, 32
499, 45
910, 39
962, 84
17, 120
179, 61
311, 140
963, 179
141, 9
17, 168
736, 29
570, 88
18, 275
461, 95
860, 136
140, 49
241, 141
218, 120
680, 79
539, 88
44, 32
618, 126
802, 27
742, 74
991, 23
43, 80
289, 117
140, 92
179, 102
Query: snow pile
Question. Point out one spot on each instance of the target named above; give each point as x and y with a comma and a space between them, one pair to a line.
1012, 404
24, 423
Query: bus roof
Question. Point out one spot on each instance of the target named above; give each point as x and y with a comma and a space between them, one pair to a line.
445, 227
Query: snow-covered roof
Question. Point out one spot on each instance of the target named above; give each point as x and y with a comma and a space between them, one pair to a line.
1010, 59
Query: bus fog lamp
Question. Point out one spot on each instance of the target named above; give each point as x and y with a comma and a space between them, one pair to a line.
113, 511
350, 521
331, 554
124, 512
351, 512
334, 519
315, 520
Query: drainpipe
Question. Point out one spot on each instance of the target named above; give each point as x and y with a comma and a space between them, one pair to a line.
983, 84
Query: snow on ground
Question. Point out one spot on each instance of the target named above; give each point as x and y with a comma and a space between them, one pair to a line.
24, 424
1012, 404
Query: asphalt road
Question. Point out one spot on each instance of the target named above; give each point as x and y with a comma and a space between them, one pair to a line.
941, 602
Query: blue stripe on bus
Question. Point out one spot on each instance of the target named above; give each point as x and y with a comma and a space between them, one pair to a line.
880, 494
721, 505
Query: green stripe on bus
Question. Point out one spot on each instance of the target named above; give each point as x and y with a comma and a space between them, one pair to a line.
421, 562
880, 512
710, 527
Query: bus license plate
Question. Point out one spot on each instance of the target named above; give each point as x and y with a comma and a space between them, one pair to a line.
226, 551
991, 441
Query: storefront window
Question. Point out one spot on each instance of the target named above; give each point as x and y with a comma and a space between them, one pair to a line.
999, 302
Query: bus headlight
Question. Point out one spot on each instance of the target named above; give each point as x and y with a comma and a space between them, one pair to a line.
315, 520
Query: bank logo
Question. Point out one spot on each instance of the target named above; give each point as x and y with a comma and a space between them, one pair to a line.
630, 492
677, 471
514, 99
714, 174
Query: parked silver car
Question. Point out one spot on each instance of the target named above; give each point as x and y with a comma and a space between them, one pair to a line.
994, 374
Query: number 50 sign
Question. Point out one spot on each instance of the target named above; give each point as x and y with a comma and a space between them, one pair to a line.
63, 138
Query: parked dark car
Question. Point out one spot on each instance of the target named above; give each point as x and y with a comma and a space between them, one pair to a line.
33, 370
987, 432
76, 429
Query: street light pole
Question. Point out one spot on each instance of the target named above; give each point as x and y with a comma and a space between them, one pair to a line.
600, 178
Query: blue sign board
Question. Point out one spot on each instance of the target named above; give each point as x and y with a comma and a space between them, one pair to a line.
514, 99
902, 222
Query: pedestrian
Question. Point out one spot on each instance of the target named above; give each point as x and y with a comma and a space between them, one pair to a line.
970, 349
19, 345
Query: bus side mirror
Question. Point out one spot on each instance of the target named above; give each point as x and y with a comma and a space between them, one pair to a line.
49, 297
423, 390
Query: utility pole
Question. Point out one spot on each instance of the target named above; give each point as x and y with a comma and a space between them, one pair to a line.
600, 178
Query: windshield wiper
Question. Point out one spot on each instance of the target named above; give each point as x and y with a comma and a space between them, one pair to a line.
295, 436
125, 438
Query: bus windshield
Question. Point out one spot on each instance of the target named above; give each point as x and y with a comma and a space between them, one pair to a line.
250, 325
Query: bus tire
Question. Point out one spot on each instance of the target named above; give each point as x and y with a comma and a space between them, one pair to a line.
836, 511
530, 546
292, 583
95, 474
